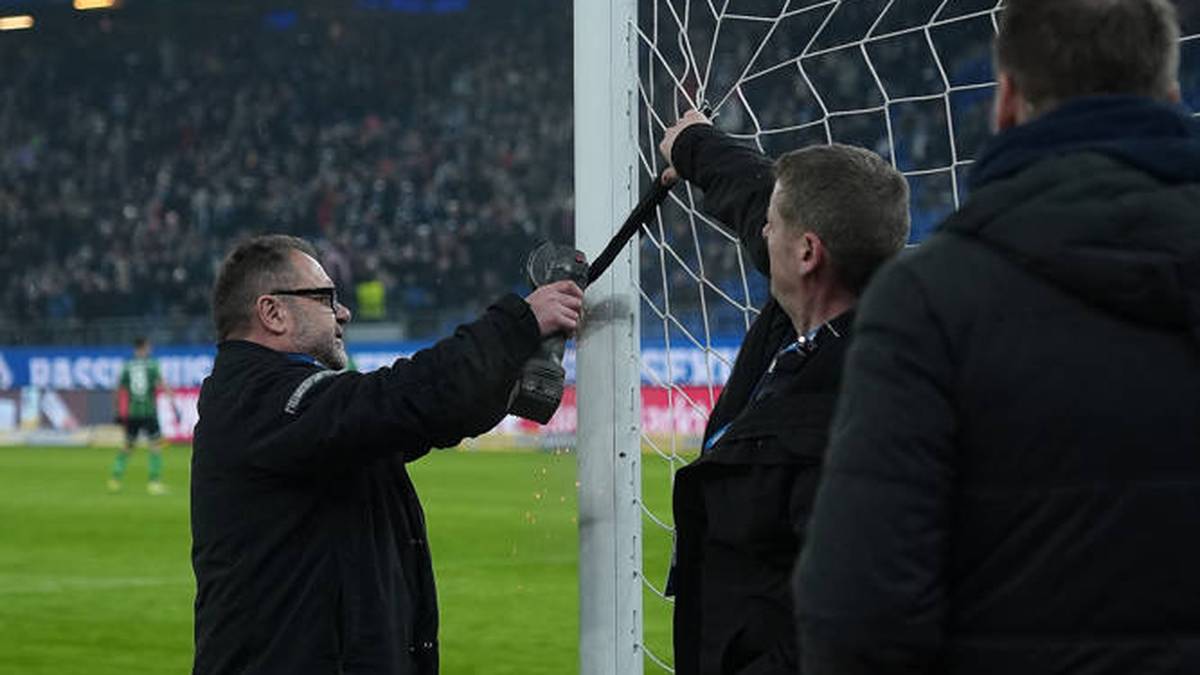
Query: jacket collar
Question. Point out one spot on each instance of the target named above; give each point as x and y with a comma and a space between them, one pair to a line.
1160, 138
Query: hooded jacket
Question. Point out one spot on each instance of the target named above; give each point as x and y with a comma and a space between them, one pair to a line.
1013, 483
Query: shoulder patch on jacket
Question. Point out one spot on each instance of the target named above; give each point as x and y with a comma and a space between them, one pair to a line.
293, 402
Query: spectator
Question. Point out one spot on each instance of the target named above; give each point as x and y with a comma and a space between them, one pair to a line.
1013, 481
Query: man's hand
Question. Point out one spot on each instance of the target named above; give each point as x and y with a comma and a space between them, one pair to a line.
689, 118
556, 306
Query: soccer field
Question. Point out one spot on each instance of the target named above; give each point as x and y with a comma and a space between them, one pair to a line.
100, 584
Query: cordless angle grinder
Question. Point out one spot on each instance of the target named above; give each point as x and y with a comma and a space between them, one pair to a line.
540, 390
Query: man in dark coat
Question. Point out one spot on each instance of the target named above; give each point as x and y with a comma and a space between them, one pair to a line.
1013, 483
833, 214
308, 540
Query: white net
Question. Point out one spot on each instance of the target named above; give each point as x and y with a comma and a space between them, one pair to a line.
910, 79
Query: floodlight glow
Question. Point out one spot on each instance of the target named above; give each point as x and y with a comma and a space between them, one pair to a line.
95, 4
19, 22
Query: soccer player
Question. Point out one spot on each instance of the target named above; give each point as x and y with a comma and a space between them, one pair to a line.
309, 542
137, 409
818, 222
1013, 482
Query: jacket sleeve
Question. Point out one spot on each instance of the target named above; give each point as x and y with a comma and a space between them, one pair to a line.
736, 180
457, 388
871, 579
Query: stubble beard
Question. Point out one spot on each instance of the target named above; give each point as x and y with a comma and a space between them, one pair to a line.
323, 346
332, 353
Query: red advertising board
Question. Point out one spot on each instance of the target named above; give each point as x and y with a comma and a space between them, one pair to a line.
677, 411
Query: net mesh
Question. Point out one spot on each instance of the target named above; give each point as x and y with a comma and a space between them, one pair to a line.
910, 79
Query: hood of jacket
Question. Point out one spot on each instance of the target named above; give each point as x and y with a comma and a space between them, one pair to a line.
1102, 198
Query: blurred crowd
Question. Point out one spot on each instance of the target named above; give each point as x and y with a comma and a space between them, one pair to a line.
424, 154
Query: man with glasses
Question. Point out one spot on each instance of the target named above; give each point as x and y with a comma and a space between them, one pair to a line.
308, 539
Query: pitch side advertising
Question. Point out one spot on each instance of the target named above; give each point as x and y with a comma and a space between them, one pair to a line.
61, 390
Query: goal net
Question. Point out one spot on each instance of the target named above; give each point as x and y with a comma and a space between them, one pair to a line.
910, 79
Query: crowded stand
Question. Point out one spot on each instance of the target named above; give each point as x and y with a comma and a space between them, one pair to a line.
138, 146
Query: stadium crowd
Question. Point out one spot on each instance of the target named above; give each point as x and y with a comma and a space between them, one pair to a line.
146, 150
423, 154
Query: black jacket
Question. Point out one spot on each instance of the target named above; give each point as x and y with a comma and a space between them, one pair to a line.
308, 540
741, 508
737, 183
1013, 484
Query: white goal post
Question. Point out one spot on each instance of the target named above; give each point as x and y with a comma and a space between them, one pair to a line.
608, 437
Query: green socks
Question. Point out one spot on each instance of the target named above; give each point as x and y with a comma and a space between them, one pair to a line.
155, 466
118, 469
122, 460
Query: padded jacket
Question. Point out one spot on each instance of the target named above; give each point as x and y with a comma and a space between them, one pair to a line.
1013, 484
309, 543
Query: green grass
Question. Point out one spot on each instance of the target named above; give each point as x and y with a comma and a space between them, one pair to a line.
100, 584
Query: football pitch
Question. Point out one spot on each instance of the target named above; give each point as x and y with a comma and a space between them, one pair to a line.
101, 584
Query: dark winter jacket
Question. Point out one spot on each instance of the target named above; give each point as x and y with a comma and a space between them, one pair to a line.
741, 508
308, 540
737, 183
1013, 484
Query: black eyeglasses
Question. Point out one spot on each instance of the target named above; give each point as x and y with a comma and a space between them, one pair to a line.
326, 294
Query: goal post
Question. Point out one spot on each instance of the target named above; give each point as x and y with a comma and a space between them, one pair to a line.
607, 366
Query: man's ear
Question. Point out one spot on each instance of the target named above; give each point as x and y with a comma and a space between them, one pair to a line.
811, 254
271, 313
1010, 104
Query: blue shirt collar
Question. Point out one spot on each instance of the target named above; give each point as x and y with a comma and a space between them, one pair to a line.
303, 358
